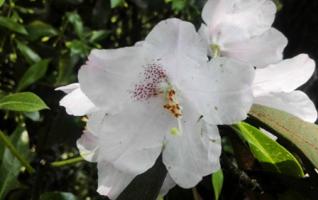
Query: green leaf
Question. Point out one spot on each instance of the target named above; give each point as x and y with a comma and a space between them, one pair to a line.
75, 19
24, 102
272, 156
58, 196
10, 24
34, 116
116, 3
279, 5
10, 166
78, 47
96, 36
178, 5
1, 2
38, 29
30, 56
217, 183
65, 73
33, 74
302, 134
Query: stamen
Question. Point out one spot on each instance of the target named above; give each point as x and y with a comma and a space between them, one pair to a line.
172, 104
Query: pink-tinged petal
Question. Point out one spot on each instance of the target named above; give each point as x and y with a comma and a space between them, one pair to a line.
221, 90
258, 51
111, 181
131, 140
296, 103
76, 103
87, 144
178, 47
285, 76
68, 88
167, 185
250, 17
194, 153
108, 76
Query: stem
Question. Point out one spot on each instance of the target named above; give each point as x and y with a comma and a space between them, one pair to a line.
6, 141
70, 161
196, 195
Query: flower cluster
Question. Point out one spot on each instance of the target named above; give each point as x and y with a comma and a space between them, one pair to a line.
167, 94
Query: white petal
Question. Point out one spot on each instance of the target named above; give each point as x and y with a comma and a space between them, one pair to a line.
111, 181
76, 103
221, 91
251, 17
296, 103
131, 140
87, 144
108, 76
269, 134
167, 185
178, 47
285, 76
194, 153
68, 88
258, 51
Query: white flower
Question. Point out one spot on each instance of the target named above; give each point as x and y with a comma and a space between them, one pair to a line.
76, 102
241, 29
275, 86
161, 96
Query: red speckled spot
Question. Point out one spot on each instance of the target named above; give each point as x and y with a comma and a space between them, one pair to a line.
153, 75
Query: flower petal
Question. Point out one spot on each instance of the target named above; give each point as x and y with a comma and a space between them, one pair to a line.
296, 103
258, 51
167, 185
285, 76
111, 181
178, 47
251, 18
76, 102
87, 144
221, 90
68, 88
194, 153
131, 140
109, 74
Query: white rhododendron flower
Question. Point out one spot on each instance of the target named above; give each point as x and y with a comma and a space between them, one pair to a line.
241, 29
162, 96
275, 86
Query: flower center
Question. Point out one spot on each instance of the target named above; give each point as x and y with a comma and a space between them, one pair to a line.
172, 104
154, 82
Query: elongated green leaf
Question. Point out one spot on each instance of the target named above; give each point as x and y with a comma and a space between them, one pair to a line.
38, 29
302, 134
10, 24
10, 166
30, 56
115, 3
217, 183
58, 196
75, 19
33, 74
268, 152
24, 102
